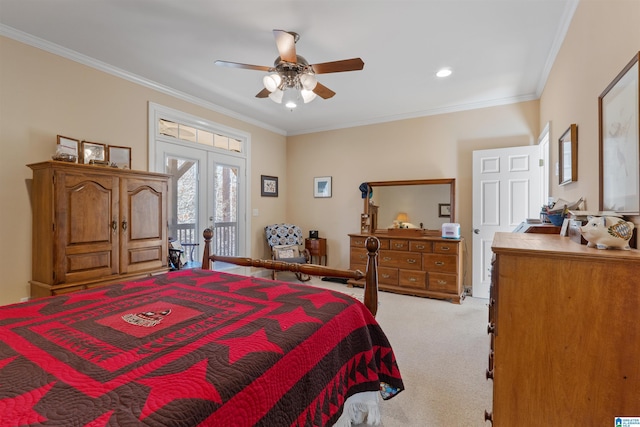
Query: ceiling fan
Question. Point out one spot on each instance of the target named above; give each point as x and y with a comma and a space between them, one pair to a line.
292, 78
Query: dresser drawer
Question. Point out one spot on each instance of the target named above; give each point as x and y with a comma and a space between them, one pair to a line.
388, 276
358, 242
418, 246
399, 259
358, 256
439, 282
440, 263
413, 279
398, 245
446, 247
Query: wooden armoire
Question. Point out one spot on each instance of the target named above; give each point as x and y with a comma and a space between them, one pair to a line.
95, 225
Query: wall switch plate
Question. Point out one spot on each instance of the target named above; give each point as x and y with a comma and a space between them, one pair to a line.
256, 212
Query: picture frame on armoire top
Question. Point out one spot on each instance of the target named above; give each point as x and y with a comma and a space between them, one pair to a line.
619, 141
568, 156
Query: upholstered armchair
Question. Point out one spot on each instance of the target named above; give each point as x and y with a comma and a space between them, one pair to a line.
286, 243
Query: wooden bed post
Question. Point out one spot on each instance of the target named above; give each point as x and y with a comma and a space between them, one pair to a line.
371, 281
206, 261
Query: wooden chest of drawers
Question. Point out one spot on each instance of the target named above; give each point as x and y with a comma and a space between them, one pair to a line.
564, 332
426, 266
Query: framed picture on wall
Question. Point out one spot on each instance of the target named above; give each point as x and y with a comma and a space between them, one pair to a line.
269, 187
444, 210
568, 155
322, 186
619, 131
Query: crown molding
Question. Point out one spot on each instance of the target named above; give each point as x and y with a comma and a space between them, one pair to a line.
72, 55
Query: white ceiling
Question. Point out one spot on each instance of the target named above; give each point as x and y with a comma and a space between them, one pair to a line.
500, 51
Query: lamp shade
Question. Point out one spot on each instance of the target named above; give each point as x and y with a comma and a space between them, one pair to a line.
272, 81
307, 95
308, 81
276, 96
402, 217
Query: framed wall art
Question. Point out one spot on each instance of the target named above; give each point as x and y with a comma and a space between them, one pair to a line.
568, 156
619, 132
93, 152
322, 186
120, 157
444, 210
269, 187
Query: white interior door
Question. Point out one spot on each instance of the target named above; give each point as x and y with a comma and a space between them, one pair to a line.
506, 191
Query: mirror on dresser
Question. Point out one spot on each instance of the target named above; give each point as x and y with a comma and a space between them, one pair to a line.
430, 202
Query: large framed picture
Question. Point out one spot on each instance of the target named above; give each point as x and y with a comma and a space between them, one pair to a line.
322, 186
568, 155
93, 152
120, 157
619, 131
269, 187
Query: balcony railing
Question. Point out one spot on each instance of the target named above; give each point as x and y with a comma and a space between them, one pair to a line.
225, 238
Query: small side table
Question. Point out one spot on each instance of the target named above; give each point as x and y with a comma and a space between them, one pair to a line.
318, 248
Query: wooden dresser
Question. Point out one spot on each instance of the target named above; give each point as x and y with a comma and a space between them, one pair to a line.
94, 225
564, 326
427, 266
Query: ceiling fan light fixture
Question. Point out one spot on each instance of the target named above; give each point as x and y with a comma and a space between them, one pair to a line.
291, 98
308, 81
272, 81
307, 95
276, 96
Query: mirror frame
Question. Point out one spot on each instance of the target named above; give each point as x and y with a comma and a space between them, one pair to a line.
450, 181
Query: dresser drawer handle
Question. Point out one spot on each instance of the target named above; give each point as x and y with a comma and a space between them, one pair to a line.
444, 248
399, 245
413, 279
362, 256
420, 246
439, 263
386, 276
442, 282
411, 260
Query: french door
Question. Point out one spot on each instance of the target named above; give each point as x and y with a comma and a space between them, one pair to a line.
207, 191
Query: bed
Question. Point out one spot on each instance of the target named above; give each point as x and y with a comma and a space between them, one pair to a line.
195, 348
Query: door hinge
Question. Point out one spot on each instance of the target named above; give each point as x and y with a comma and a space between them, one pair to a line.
540, 162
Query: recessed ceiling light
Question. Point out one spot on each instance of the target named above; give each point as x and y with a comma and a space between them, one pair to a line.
444, 72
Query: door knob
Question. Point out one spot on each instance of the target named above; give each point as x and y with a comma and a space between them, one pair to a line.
476, 231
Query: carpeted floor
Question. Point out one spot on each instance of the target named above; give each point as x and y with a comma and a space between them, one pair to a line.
442, 351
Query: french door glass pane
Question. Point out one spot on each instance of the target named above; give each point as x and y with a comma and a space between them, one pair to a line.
183, 211
226, 210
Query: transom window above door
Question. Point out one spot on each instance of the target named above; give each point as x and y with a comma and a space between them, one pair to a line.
200, 136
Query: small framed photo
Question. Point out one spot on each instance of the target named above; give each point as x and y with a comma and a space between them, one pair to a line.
269, 187
322, 186
568, 155
67, 149
120, 157
93, 152
444, 210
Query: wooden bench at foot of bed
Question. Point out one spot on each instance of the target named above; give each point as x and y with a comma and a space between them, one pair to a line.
371, 277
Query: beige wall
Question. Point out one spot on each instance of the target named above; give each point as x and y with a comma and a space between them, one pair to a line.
423, 148
602, 39
43, 95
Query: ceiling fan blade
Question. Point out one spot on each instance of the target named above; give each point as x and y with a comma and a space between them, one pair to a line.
323, 92
353, 64
245, 66
264, 93
286, 43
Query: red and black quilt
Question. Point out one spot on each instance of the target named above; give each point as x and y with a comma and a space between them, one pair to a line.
190, 348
